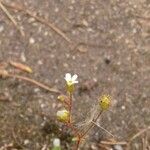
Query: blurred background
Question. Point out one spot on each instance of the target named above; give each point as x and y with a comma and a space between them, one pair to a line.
105, 42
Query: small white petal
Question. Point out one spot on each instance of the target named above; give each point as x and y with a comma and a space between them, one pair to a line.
75, 82
68, 77
60, 113
74, 77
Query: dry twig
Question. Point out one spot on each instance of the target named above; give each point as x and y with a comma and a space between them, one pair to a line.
47, 23
35, 82
11, 18
113, 143
139, 133
102, 128
21, 66
136, 135
4, 73
104, 147
39, 19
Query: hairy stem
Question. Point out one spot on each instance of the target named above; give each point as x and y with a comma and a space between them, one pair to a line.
78, 143
76, 133
70, 107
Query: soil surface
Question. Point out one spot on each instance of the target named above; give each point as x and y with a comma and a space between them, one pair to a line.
107, 43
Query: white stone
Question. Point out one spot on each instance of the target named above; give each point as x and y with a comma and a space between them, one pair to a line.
26, 142
1, 29
118, 147
31, 40
123, 107
56, 142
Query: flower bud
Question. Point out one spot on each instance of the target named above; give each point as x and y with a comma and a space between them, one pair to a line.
63, 115
104, 102
75, 139
62, 98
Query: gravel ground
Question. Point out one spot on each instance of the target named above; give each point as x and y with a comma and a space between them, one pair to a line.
110, 52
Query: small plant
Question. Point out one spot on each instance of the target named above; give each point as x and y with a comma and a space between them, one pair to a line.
65, 115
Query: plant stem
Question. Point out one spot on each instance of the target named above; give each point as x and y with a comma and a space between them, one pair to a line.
77, 134
78, 143
34, 82
70, 107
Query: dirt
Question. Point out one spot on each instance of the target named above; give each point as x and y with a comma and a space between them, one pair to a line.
110, 52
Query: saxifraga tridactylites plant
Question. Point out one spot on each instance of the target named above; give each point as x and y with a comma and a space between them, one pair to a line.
65, 115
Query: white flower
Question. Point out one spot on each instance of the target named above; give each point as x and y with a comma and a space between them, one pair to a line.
71, 80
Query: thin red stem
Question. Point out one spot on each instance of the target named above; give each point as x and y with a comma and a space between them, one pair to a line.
70, 107
78, 143
77, 134
73, 129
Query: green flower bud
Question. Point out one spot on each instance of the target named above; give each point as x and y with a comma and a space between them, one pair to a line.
63, 115
104, 102
70, 88
62, 98
75, 139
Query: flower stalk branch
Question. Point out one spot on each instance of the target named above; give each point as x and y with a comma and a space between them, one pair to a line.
66, 115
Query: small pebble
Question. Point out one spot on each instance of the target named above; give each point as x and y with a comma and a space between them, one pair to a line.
56, 9
123, 107
1, 29
56, 142
118, 147
40, 62
31, 40
36, 90
94, 147
42, 105
23, 57
26, 142
65, 65
85, 23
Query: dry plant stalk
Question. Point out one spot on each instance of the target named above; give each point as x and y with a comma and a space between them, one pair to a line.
47, 23
5, 74
39, 19
21, 66
135, 136
11, 18
113, 143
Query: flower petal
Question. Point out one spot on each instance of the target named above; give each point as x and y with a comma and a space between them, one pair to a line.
74, 77
68, 77
75, 82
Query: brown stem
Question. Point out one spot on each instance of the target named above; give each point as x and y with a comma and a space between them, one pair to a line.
34, 82
78, 143
68, 104
77, 134
75, 130
39, 19
11, 18
70, 107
